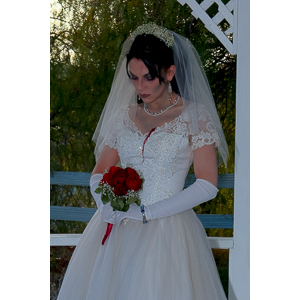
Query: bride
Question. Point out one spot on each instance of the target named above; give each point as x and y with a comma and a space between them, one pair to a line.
159, 118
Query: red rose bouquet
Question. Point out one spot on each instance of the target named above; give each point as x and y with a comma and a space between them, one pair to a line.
120, 187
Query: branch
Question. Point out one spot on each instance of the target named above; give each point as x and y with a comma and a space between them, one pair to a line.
59, 19
54, 113
66, 44
58, 34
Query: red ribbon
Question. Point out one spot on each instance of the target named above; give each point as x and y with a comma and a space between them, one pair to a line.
146, 141
107, 233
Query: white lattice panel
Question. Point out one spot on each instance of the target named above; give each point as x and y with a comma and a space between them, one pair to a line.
225, 11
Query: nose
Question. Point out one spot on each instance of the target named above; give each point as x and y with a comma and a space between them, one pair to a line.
140, 85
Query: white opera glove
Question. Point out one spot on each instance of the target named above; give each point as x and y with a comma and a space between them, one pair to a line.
199, 192
94, 183
107, 213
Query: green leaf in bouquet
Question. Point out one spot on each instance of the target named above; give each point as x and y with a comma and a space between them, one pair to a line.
138, 202
121, 203
131, 200
99, 189
115, 205
126, 207
105, 198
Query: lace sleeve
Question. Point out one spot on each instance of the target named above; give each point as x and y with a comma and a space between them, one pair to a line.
112, 142
111, 139
207, 134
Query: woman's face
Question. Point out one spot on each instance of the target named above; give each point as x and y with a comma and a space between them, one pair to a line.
148, 88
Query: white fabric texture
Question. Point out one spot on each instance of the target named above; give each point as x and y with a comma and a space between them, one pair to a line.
168, 258
94, 183
199, 192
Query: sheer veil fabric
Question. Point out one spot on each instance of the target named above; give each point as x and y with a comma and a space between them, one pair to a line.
193, 87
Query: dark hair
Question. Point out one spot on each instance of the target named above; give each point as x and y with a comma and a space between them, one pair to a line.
155, 54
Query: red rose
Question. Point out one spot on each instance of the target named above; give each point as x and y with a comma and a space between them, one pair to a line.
109, 179
120, 176
131, 171
120, 189
134, 182
113, 170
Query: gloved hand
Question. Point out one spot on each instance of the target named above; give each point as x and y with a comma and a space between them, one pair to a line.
199, 192
107, 213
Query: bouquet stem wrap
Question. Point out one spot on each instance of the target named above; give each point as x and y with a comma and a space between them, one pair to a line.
107, 233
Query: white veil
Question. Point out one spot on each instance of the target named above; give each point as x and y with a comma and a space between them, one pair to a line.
193, 87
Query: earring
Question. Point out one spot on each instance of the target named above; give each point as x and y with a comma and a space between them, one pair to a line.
170, 92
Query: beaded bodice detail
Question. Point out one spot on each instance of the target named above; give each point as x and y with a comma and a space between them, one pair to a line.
166, 158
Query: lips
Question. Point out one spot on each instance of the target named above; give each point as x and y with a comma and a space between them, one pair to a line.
144, 96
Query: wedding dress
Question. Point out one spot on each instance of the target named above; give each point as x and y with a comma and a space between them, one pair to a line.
166, 259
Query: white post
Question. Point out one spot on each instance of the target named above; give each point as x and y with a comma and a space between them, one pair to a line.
239, 273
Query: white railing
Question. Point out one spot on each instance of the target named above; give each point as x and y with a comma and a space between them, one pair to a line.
85, 214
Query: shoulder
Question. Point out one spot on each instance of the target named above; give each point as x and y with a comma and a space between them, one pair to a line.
192, 111
132, 110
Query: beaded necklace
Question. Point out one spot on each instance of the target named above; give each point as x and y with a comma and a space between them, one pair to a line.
161, 111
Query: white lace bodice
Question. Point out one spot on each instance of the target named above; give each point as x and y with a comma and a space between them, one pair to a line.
167, 155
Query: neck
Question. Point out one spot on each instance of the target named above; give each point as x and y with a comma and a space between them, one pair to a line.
161, 103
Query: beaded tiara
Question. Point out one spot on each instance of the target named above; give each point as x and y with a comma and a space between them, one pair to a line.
160, 32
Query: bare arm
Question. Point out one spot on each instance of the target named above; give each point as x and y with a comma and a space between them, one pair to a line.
205, 164
107, 158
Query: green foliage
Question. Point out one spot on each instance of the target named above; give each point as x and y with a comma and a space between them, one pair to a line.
59, 260
222, 261
222, 204
70, 196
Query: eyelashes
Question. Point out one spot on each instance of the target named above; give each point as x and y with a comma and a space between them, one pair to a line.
133, 77
148, 77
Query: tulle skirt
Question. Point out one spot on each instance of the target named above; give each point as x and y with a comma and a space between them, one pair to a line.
165, 259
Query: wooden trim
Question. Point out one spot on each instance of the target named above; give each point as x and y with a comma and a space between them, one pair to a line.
216, 221
72, 239
85, 214
83, 179
71, 213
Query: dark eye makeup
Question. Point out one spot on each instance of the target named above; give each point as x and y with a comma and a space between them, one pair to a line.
133, 77
146, 76
149, 77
